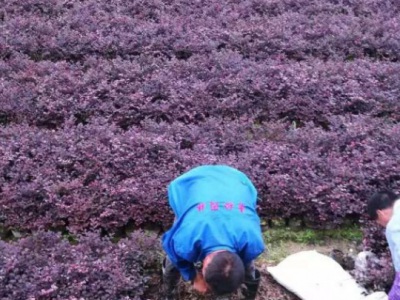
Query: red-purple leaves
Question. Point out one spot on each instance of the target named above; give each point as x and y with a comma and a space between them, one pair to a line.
47, 267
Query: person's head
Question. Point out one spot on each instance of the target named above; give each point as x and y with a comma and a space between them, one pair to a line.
380, 206
223, 272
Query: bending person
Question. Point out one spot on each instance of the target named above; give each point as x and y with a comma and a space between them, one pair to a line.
216, 225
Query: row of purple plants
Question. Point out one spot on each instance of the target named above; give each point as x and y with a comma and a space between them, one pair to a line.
100, 176
257, 29
46, 266
47, 94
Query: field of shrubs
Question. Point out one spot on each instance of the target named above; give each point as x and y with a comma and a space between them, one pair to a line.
103, 103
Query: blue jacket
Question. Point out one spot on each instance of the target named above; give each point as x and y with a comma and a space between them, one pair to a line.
215, 209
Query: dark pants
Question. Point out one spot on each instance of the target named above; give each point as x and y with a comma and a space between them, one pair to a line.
171, 278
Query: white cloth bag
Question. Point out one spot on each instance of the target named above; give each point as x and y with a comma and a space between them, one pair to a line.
314, 276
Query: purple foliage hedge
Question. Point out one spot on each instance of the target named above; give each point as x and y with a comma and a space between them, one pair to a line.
44, 266
256, 29
47, 94
378, 272
100, 176
102, 103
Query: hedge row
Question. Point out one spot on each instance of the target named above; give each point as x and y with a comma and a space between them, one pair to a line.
44, 266
100, 176
257, 29
47, 94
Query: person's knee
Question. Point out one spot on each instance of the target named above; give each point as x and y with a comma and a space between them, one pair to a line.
168, 268
250, 271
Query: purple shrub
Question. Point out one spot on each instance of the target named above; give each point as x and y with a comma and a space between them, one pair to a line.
179, 29
87, 177
374, 238
99, 176
376, 273
331, 174
47, 267
47, 94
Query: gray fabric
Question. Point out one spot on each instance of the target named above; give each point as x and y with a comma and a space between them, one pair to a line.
313, 276
171, 278
252, 285
168, 268
250, 271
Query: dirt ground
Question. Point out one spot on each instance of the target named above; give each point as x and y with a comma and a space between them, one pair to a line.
279, 251
269, 288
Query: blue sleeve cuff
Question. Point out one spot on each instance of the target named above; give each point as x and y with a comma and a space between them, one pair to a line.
253, 255
189, 274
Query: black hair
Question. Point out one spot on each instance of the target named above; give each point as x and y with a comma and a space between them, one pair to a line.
380, 200
225, 273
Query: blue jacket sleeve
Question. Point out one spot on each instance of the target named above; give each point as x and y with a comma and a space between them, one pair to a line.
182, 263
186, 268
251, 249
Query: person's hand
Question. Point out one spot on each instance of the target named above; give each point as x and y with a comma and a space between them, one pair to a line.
199, 284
